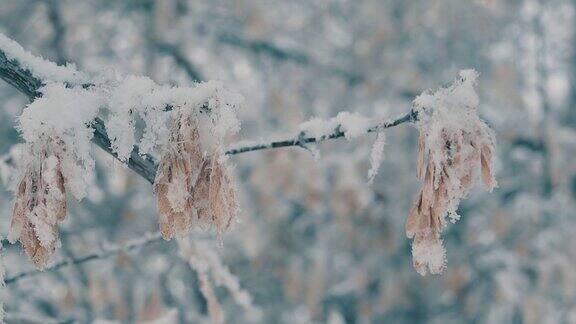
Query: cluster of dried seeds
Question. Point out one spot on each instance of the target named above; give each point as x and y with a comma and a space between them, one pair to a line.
40, 205
193, 188
454, 144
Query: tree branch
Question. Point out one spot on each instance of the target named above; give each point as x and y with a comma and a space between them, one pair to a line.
104, 253
23, 80
25, 318
278, 53
411, 116
180, 59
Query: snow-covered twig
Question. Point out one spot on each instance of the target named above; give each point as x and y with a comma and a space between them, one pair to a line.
337, 132
104, 253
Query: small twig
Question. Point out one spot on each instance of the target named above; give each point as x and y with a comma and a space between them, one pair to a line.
180, 60
25, 318
278, 53
302, 140
105, 253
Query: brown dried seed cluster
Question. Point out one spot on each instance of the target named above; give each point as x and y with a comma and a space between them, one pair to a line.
447, 177
193, 188
39, 206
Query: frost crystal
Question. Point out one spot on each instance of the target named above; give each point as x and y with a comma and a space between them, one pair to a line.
376, 156
139, 97
454, 144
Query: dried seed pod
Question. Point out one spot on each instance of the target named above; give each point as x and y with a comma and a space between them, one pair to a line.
449, 167
421, 157
486, 167
193, 188
40, 204
223, 201
454, 144
172, 194
201, 193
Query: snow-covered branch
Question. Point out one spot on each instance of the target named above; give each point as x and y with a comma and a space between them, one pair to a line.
27, 76
27, 73
302, 138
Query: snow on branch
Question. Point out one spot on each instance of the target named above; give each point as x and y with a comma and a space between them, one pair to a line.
190, 121
28, 74
28, 83
43, 69
321, 130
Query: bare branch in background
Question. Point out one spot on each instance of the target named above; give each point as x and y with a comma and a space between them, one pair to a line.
22, 318
104, 253
278, 53
181, 60
59, 30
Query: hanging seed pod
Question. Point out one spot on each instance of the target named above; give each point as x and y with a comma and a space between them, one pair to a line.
40, 204
454, 145
192, 188
223, 201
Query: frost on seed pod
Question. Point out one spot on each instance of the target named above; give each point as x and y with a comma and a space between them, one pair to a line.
193, 187
39, 206
454, 144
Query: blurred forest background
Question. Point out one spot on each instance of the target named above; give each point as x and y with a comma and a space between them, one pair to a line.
315, 242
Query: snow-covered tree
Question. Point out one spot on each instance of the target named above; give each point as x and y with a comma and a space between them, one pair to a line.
268, 161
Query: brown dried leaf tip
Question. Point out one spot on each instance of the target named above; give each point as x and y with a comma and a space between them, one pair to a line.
40, 204
193, 188
454, 146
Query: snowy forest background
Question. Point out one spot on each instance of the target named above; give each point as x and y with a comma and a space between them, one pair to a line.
314, 241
